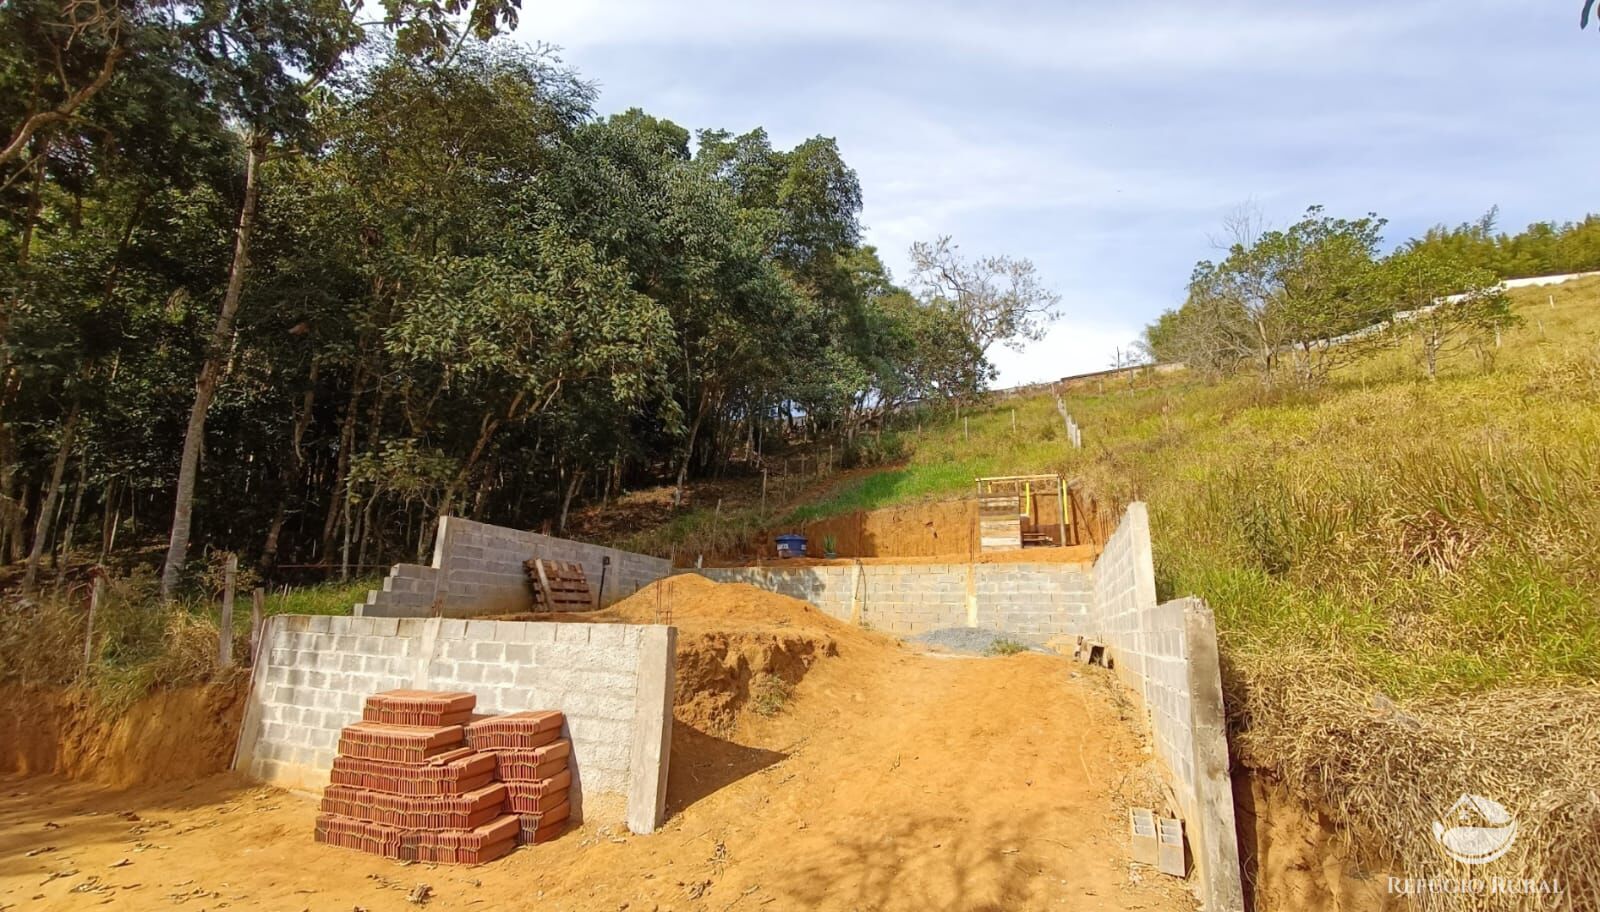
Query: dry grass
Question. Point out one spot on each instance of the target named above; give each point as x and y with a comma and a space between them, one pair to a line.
138, 644
1389, 772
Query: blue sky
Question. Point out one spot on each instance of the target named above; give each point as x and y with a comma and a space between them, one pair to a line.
1106, 141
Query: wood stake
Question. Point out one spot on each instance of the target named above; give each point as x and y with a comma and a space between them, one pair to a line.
230, 572
97, 594
258, 600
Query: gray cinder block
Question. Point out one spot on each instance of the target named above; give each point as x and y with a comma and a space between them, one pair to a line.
1170, 855
1142, 830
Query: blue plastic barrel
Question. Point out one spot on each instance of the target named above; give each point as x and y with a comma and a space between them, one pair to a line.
791, 545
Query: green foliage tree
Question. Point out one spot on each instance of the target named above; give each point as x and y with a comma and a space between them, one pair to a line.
1303, 295
1445, 303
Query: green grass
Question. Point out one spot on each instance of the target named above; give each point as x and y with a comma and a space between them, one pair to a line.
1005, 647
332, 597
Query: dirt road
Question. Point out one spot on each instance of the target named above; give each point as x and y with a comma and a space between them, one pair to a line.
887, 780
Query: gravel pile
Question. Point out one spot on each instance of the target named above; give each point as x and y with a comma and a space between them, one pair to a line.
974, 640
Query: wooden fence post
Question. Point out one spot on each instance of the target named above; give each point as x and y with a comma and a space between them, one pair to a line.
97, 594
258, 600
230, 572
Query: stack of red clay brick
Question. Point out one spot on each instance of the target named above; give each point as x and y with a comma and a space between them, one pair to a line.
531, 759
409, 784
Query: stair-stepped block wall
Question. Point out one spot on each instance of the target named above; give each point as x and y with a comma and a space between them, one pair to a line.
477, 569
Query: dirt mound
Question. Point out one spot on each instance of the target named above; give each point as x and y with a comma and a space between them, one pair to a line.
721, 677
741, 650
180, 734
693, 603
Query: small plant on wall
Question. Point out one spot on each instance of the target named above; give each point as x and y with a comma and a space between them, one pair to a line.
830, 546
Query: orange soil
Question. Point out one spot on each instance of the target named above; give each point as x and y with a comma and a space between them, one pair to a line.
171, 734
1077, 554
874, 778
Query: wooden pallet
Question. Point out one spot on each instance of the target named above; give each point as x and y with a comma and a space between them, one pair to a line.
558, 585
999, 523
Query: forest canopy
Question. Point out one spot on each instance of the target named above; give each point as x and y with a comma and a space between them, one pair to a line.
293, 284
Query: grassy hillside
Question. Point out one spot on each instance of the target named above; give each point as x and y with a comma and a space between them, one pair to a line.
1441, 536
1406, 573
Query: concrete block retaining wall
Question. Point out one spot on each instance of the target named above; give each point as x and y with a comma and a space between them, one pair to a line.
614, 682
1167, 655
1041, 600
477, 570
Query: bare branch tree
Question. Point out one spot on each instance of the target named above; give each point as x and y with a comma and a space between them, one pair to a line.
997, 298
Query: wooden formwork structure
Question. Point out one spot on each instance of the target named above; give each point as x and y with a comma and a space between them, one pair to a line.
1009, 515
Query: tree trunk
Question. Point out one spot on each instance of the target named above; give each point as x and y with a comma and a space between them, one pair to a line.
17, 537
347, 442
293, 470
205, 387
688, 452
41, 529
110, 513
72, 522
566, 501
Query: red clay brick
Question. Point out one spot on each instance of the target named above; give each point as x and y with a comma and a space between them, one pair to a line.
462, 812
534, 765
515, 731
536, 797
452, 773
441, 701
536, 833
398, 743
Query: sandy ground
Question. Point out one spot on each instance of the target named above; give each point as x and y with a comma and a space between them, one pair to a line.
930, 784
814, 766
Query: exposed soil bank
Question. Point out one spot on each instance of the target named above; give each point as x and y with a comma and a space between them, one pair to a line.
1298, 860
180, 734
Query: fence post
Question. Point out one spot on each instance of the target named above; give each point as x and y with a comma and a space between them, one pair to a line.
258, 599
230, 572
97, 593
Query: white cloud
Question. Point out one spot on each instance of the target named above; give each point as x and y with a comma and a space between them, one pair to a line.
1071, 347
1081, 38
1105, 141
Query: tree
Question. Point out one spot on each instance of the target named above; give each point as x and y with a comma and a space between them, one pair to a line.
1445, 303
261, 57
996, 299
1306, 294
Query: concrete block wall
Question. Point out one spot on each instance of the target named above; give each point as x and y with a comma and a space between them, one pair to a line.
614, 682
477, 570
830, 589
1167, 655
907, 599
1038, 600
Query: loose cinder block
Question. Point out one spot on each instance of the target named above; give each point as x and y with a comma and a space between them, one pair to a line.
1170, 857
1142, 831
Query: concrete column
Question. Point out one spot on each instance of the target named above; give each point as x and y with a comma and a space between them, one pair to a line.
1214, 829
250, 725
972, 595
652, 729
